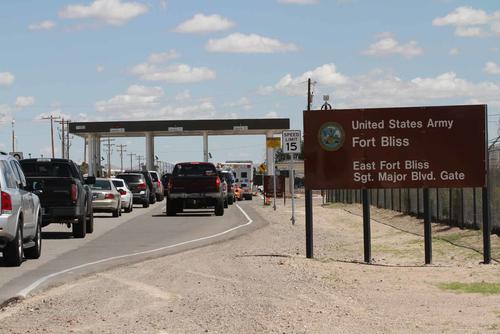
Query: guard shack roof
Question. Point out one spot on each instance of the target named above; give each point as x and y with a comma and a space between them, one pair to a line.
199, 127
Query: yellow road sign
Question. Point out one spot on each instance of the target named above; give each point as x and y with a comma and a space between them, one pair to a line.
273, 142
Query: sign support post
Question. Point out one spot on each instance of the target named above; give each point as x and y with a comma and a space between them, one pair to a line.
274, 179
427, 227
308, 195
292, 175
366, 226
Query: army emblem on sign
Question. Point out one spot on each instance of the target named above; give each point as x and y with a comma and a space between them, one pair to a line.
331, 136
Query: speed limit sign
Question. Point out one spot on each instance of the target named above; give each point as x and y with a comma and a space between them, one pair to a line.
291, 141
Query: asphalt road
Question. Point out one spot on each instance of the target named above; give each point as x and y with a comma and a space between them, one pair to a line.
133, 237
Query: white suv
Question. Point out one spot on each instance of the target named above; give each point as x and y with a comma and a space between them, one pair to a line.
20, 214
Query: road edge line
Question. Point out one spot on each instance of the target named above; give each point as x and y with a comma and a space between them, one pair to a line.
24, 292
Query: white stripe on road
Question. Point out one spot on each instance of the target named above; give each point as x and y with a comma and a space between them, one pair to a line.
24, 292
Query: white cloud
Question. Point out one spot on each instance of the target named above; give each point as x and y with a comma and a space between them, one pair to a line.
469, 32
56, 113
44, 25
25, 101
155, 70
463, 16
185, 95
99, 68
201, 23
6, 78
470, 22
242, 103
325, 75
137, 99
491, 68
271, 114
382, 89
253, 43
202, 110
387, 44
114, 12
299, 2
5, 114
176, 73
454, 52
163, 57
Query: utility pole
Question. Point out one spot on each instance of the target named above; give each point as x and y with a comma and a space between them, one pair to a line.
68, 144
63, 137
52, 118
121, 148
108, 145
131, 155
139, 158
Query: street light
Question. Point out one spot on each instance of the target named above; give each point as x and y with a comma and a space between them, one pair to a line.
13, 136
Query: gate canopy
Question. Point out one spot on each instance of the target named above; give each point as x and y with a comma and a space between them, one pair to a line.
200, 127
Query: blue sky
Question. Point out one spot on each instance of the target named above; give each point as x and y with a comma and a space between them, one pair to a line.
192, 59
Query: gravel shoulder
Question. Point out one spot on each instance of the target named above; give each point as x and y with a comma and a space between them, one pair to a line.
262, 283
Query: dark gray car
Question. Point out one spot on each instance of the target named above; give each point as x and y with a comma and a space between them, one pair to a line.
139, 187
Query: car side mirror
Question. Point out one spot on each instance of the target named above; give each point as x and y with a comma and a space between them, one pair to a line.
36, 188
90, 180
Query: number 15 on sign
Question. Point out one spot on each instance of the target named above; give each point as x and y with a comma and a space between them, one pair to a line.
291, 141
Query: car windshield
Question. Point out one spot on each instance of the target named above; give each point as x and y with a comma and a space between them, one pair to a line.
101, 185
131, 178
154, 176
194, 170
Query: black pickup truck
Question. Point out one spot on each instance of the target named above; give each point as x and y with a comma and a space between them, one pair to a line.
65, 196
194, 185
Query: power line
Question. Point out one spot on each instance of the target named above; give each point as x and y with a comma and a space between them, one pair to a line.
52, 118
121, 148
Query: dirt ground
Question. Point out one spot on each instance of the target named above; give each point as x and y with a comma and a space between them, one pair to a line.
262, 283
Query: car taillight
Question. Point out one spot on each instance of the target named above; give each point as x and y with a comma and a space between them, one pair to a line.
6, 203
109, 196
141, 186
217, 183
159, 184
74, 192
122, 192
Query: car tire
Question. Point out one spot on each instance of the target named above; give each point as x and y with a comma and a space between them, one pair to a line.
14, 252
249, 197
90, 222
145, 204
171, 208
152, 199
230, 200
35, 251
219, 208
80, 228
116, 213
225, 204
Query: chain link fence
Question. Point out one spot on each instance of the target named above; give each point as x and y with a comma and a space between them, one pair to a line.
461, 207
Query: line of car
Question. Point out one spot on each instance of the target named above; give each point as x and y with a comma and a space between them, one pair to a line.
37, 192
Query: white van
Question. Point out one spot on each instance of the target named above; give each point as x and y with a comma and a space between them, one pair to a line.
243, 174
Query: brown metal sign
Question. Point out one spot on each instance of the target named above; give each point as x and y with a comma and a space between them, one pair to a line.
269, 186
415, 147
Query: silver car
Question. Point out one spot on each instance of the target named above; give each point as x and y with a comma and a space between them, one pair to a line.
105, 197
20, 214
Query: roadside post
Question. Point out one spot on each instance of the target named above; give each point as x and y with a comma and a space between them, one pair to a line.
274, 143
402, 147
291, 145
427, 227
